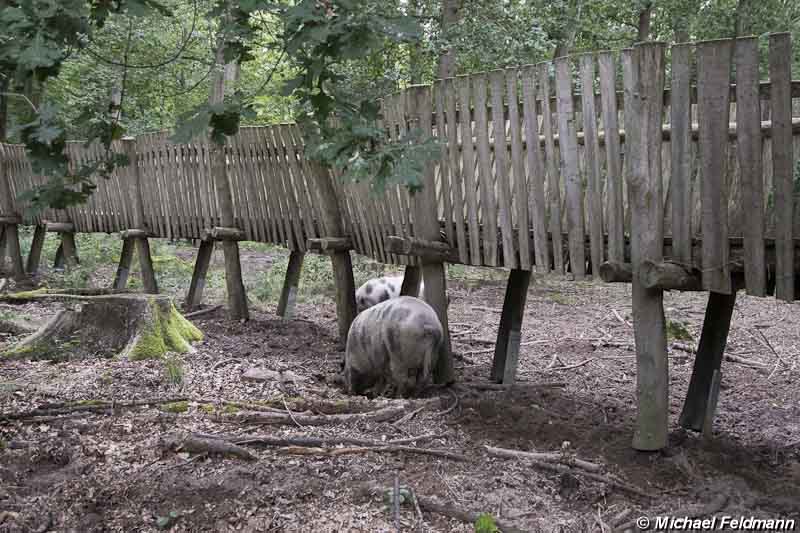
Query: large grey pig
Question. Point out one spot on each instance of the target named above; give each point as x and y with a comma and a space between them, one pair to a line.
392, 348
379, 290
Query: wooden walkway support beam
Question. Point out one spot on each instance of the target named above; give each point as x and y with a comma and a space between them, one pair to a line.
11, 230
194, 297
411, 279
506, 351
124, 267
291, 284
708, 359
35, 253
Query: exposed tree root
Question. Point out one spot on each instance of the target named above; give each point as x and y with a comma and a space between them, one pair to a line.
87, 405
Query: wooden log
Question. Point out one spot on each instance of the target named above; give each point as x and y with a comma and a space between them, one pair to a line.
428, 250
506, 352
194, 297
644, 184
780, 65
615, 272
223, 234
749, 148
713, 108
134, 234
58, 260
60, 227
411, 279
290, 284
149, 281
330, 244
124, 266
708, 359
668, 275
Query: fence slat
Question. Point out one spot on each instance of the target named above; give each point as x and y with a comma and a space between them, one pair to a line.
615, 210
780, 64
568, 146
713, 109
521, 194
488, 209
591, 150
553, 169
681, 156
457, 174
629, 82
748, 144
503, 186
444, 122
536, 206
468, 168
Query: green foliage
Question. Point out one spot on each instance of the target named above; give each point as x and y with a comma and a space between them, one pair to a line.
678, 331
486, 524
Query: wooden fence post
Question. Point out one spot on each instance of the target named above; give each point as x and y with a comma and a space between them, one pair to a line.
140, 227
11, 233
506, 351
290, 284
647, 241
124, 267
411, 279
340, 259
194, 296
433, 272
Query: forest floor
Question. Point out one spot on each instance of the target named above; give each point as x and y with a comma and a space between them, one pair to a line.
116, 467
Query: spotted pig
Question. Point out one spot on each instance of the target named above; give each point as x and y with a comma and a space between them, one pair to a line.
379, 290
392, 348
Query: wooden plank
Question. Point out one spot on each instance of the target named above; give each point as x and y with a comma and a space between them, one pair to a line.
503, 186
568, 146
681, 157
518, 169
629, 82
488, 215
261, 165
468, 168
291, 178
444, 123
456, 172
748, 148
536, 205
647, 242
553, 166
713, 108
592, 157
274, 169
304, 186
615, 211
780, 64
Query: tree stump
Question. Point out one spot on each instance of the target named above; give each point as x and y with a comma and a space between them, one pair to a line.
135, 326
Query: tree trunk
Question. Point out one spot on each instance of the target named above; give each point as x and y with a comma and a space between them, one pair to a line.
451, 13
643, 33
570, 33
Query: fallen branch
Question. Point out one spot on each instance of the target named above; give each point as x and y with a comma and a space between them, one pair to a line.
333, 452
489, 350
556, 457
223, 362
570, 367
456, 402
714, 506
608, 480
316, 442
489, 309
201, 312
381, 415
409, 416
88, 405
761, 367
195, 444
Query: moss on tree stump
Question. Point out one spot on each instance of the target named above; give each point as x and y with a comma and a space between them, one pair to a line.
127, 325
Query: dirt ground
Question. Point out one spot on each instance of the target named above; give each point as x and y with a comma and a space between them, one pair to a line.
109, 469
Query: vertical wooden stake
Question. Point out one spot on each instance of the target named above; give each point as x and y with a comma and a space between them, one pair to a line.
290, 284
708, 358
2, 247
195, 295
69, 249
506, 351
13, 250
647, 242
345, 291
35, 255
711, 408
58, 261
124, 267
411, 280
237, 297
146, 265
